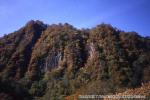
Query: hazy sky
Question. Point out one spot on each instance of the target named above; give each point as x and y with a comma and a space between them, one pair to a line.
127, 15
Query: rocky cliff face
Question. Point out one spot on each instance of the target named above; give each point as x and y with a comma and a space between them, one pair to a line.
54, 61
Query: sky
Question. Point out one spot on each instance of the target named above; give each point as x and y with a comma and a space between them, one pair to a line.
127, 15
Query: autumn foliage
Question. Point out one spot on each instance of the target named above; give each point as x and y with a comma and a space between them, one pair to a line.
51, 62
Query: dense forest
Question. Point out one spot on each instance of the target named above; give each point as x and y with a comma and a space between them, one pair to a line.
53, 62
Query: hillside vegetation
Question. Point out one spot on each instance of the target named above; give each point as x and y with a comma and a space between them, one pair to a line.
51, 62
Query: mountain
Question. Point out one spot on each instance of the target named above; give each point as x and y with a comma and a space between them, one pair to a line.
52, 62
143, 91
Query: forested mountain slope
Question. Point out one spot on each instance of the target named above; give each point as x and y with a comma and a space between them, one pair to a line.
50, 62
